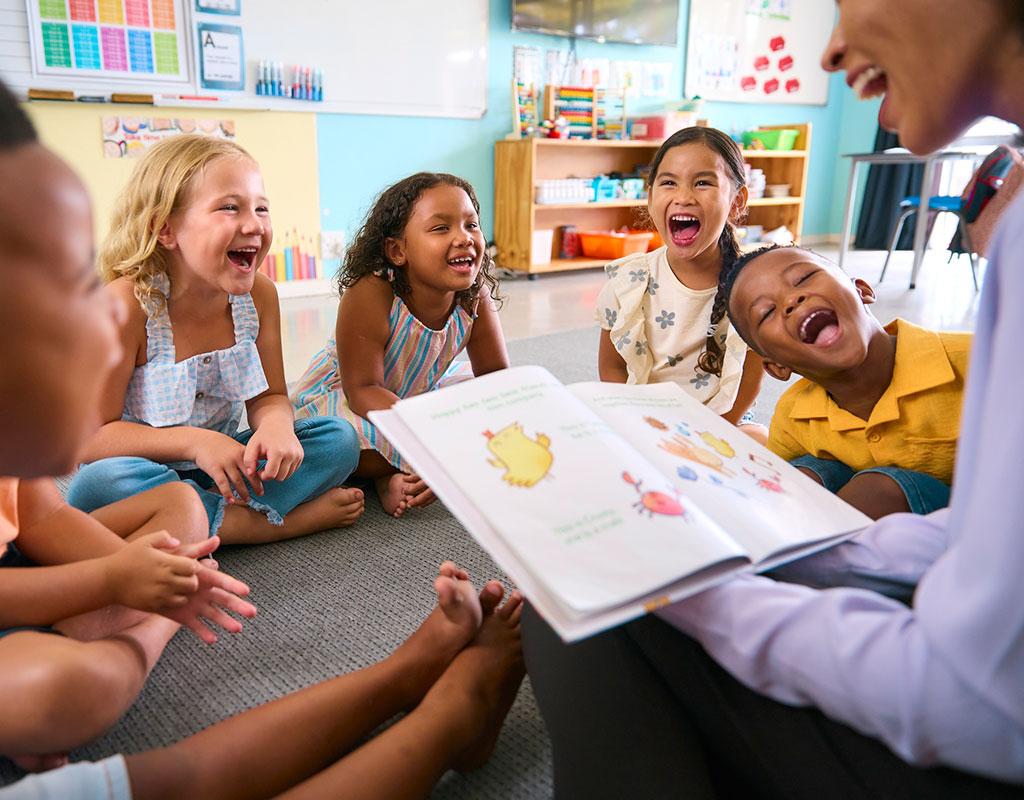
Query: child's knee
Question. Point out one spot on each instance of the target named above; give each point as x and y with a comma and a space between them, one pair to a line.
338, 445
111, 479
186, 515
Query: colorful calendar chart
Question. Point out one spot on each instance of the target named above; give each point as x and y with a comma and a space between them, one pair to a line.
124, 39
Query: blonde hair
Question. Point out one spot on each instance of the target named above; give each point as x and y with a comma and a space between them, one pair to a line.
158, 188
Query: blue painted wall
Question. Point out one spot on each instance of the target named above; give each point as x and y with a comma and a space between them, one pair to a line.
360, 155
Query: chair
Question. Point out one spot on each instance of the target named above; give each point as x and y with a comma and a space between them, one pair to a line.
989, 191
938, 203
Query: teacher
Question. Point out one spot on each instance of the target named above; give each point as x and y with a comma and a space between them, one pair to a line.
772, 689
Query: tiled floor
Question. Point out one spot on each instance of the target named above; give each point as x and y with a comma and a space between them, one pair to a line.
944, 299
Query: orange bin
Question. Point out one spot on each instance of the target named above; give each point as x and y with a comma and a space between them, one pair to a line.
613, 244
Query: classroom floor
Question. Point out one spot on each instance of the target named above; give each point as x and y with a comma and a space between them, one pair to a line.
944, 299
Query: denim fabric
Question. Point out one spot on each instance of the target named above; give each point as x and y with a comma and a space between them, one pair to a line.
329, 444
924, 493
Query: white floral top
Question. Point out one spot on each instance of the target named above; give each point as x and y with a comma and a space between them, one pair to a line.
659, 327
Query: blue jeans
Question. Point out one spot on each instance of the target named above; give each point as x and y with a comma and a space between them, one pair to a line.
330, 453
924, 493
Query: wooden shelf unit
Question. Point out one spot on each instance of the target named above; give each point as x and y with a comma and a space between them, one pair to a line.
782, 166
520, 164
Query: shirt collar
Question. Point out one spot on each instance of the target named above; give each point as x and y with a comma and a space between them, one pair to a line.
921, 363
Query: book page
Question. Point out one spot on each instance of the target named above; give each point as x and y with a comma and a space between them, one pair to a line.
769, 507
593, 521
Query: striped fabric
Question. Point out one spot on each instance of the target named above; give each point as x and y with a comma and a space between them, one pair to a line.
207, 390
417, 359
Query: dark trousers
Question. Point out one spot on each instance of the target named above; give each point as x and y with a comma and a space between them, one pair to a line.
642, 711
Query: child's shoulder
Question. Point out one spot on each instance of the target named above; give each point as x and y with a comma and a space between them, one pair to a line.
263, 293
632, 262
123, 289
371, 289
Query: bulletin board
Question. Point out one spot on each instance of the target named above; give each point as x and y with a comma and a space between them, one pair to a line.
758, 51
402, 57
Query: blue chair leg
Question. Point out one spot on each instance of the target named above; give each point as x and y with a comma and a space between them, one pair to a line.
895, 238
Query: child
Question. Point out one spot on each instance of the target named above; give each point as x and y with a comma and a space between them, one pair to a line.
417, 289
456, 678
877, 414
203, 336
662, 316
80, 633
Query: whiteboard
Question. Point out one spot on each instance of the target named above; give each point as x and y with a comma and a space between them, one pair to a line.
758, 51
405, 57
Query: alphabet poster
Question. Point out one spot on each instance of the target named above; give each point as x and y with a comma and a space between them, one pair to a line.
758, 51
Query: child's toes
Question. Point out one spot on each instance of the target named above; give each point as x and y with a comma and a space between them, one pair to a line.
513, 607
491, 595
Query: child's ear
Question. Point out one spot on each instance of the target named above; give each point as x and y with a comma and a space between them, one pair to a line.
778, 371
867, 294
739, 204
394, 251
166, 237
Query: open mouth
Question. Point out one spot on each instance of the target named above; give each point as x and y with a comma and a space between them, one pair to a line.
869, 83
243, 257
683, 229
462, 263
820, 327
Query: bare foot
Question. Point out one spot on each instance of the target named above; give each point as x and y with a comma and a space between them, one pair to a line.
481, 684
42, 762
391, 490
448, 629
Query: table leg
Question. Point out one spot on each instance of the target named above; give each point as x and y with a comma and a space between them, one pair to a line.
851, 190
921, 225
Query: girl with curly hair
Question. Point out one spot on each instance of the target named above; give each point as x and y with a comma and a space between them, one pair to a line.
202, 339
417, 288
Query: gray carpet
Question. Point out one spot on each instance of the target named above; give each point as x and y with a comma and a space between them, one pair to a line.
338, 601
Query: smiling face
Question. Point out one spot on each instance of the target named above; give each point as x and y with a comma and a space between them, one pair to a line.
802, 314
691, 198
935, 61
442, 246
223, 232
58, 327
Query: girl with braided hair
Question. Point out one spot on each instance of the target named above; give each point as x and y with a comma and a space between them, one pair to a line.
662, 315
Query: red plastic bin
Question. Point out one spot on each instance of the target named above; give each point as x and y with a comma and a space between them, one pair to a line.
613, 244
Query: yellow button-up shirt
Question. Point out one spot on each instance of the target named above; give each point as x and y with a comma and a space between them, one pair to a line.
914, 425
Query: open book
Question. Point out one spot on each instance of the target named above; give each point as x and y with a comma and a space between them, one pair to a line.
603, 501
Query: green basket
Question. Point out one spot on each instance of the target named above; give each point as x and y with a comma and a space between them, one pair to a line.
779, 139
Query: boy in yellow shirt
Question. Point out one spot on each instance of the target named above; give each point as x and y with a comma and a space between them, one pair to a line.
875, 418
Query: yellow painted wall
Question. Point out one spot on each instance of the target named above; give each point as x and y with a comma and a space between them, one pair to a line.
284, 144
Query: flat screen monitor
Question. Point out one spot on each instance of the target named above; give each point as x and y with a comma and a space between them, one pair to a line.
632, 21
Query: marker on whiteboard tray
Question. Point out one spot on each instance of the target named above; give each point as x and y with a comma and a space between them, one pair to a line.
309, 84
279, 79
318, 84
295, 82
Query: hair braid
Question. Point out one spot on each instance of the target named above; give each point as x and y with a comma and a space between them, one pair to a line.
713, 357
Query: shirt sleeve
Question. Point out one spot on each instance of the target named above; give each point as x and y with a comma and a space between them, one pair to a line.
607, 306
884, 558
781, 440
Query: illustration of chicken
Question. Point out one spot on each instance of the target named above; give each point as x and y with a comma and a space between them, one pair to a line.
524, 460
722, 447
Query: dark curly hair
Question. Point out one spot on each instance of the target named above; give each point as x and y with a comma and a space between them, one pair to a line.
712, 358
387, 220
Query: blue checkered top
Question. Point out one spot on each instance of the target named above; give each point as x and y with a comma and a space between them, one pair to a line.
205, 391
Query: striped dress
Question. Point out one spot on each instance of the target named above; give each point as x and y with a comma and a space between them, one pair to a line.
417, 359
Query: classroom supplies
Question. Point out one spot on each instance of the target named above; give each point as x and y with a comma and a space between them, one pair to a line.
606, 501
524, 109
613, 244
542, 242
564, 190
577, 105
50, 94
130, 97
